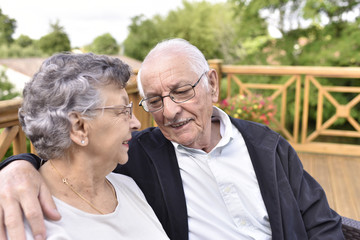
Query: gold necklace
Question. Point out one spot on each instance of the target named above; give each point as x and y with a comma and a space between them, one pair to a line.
64, 180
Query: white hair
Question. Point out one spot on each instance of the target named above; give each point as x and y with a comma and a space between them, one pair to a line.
196, 58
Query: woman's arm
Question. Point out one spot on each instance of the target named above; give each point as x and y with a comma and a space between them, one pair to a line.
23, 191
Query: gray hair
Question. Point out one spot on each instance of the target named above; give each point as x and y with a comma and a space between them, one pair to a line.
196, 58
66, 83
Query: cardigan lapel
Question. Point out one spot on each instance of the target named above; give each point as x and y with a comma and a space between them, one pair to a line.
262, 150
162, 155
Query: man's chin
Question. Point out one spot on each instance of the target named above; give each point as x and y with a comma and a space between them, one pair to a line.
186, 141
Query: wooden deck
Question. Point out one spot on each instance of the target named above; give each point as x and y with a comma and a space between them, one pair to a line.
339, 176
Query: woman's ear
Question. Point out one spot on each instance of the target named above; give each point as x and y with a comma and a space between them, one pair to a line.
79, 131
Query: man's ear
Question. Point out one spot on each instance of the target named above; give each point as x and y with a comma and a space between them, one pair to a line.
213, 84
79, 130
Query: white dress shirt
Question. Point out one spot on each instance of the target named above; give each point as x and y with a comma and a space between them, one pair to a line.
221, 189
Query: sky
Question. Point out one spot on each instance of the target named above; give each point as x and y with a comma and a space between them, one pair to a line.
83, 20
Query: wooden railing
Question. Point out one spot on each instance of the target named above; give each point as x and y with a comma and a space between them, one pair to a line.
304, 83
299, 83
10, 130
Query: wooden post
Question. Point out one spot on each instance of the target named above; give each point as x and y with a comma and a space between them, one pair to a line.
19, 143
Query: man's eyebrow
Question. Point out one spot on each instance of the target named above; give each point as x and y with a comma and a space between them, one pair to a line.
149, 95
180, 83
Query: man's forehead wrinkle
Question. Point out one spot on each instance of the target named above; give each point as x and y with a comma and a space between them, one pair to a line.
166, 79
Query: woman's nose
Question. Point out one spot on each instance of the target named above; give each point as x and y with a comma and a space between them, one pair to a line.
134, 123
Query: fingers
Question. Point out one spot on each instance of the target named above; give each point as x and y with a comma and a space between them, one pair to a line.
2, 225
13, 221
19, 191
47, 203
32, 212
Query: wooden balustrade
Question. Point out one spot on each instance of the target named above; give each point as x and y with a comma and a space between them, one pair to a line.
299, 83
10, 129
303, 83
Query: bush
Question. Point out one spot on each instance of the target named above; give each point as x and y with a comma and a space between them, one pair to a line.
54, 42
16, 51
254, 108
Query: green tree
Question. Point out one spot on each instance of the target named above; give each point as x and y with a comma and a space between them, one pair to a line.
285, 15
104, 44
24, 41
289, 15
333, 10
143, 35
56, 41
211, 27
7, 29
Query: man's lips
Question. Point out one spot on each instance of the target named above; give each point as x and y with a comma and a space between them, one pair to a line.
178, 123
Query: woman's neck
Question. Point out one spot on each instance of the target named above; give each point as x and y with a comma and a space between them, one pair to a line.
78, 181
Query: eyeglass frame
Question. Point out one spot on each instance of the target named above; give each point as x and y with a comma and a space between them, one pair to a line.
118, 107
162, 97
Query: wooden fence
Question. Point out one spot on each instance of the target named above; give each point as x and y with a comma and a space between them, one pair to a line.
294, 88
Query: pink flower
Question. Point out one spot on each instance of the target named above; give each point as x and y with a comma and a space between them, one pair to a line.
225, 103
254, 108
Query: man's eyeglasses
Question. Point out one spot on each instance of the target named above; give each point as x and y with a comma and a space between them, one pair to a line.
119, 110
177, 95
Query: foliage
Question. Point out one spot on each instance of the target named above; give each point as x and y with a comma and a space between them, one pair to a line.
143, 35
7, 29
6, 88
104, 44
313, 32
24, 41
333, 10
211, 27
15, 51
253, 107
55, 41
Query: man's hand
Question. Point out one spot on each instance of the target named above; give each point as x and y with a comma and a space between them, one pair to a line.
23, 191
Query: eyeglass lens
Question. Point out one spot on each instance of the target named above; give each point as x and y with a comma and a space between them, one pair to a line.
177, 95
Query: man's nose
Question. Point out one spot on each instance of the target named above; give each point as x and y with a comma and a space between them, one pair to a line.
170, 108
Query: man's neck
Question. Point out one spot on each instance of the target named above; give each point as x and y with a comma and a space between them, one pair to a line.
215, 136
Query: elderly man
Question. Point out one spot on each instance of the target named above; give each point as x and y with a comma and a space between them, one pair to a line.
206, 175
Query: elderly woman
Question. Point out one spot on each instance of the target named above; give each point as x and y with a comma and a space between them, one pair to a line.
77, 114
